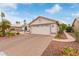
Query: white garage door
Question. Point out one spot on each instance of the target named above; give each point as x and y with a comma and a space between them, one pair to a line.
41, 29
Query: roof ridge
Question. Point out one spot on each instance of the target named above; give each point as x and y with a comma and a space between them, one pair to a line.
46, 18
43, 18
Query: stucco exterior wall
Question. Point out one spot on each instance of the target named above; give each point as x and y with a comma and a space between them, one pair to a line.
54, 29
76, 25
50, 29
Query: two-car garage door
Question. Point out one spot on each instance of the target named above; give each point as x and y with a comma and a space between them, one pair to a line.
40, 29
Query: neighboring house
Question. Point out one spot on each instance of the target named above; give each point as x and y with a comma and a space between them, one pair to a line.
43, 25
18, 28
75, 24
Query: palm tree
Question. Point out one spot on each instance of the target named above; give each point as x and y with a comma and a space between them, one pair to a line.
5, 24
2, 15
2, 27
25, 26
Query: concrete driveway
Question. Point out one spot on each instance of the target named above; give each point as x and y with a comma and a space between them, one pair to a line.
25, 45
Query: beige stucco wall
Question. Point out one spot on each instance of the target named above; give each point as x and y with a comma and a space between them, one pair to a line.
76, 25
54, 29
50, 29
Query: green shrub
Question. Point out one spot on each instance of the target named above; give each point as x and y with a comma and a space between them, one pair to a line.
58, 36
17, 33
62, 27
1, 34
70, 52
10, 34
69, 29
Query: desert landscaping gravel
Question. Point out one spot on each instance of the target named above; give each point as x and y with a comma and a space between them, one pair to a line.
55, 48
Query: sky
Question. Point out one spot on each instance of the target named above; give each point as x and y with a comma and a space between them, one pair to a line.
63, 12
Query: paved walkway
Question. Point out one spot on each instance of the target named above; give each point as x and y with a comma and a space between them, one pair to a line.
69, 38
25, 45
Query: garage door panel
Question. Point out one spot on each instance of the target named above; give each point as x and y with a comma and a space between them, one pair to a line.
43, 29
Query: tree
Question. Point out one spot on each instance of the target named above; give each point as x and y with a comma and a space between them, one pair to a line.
2, 27
62, 27
25, 26
5, 24
69, 28
2, 15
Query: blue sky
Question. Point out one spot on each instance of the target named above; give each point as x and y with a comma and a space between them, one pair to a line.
62, 12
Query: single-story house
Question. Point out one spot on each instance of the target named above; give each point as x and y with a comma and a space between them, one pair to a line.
18, 28
75, 24
44, 26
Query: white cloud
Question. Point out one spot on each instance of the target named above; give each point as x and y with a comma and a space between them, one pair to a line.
8, 5
62, 21
56, 8
75, 14
11, 13
13, 17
